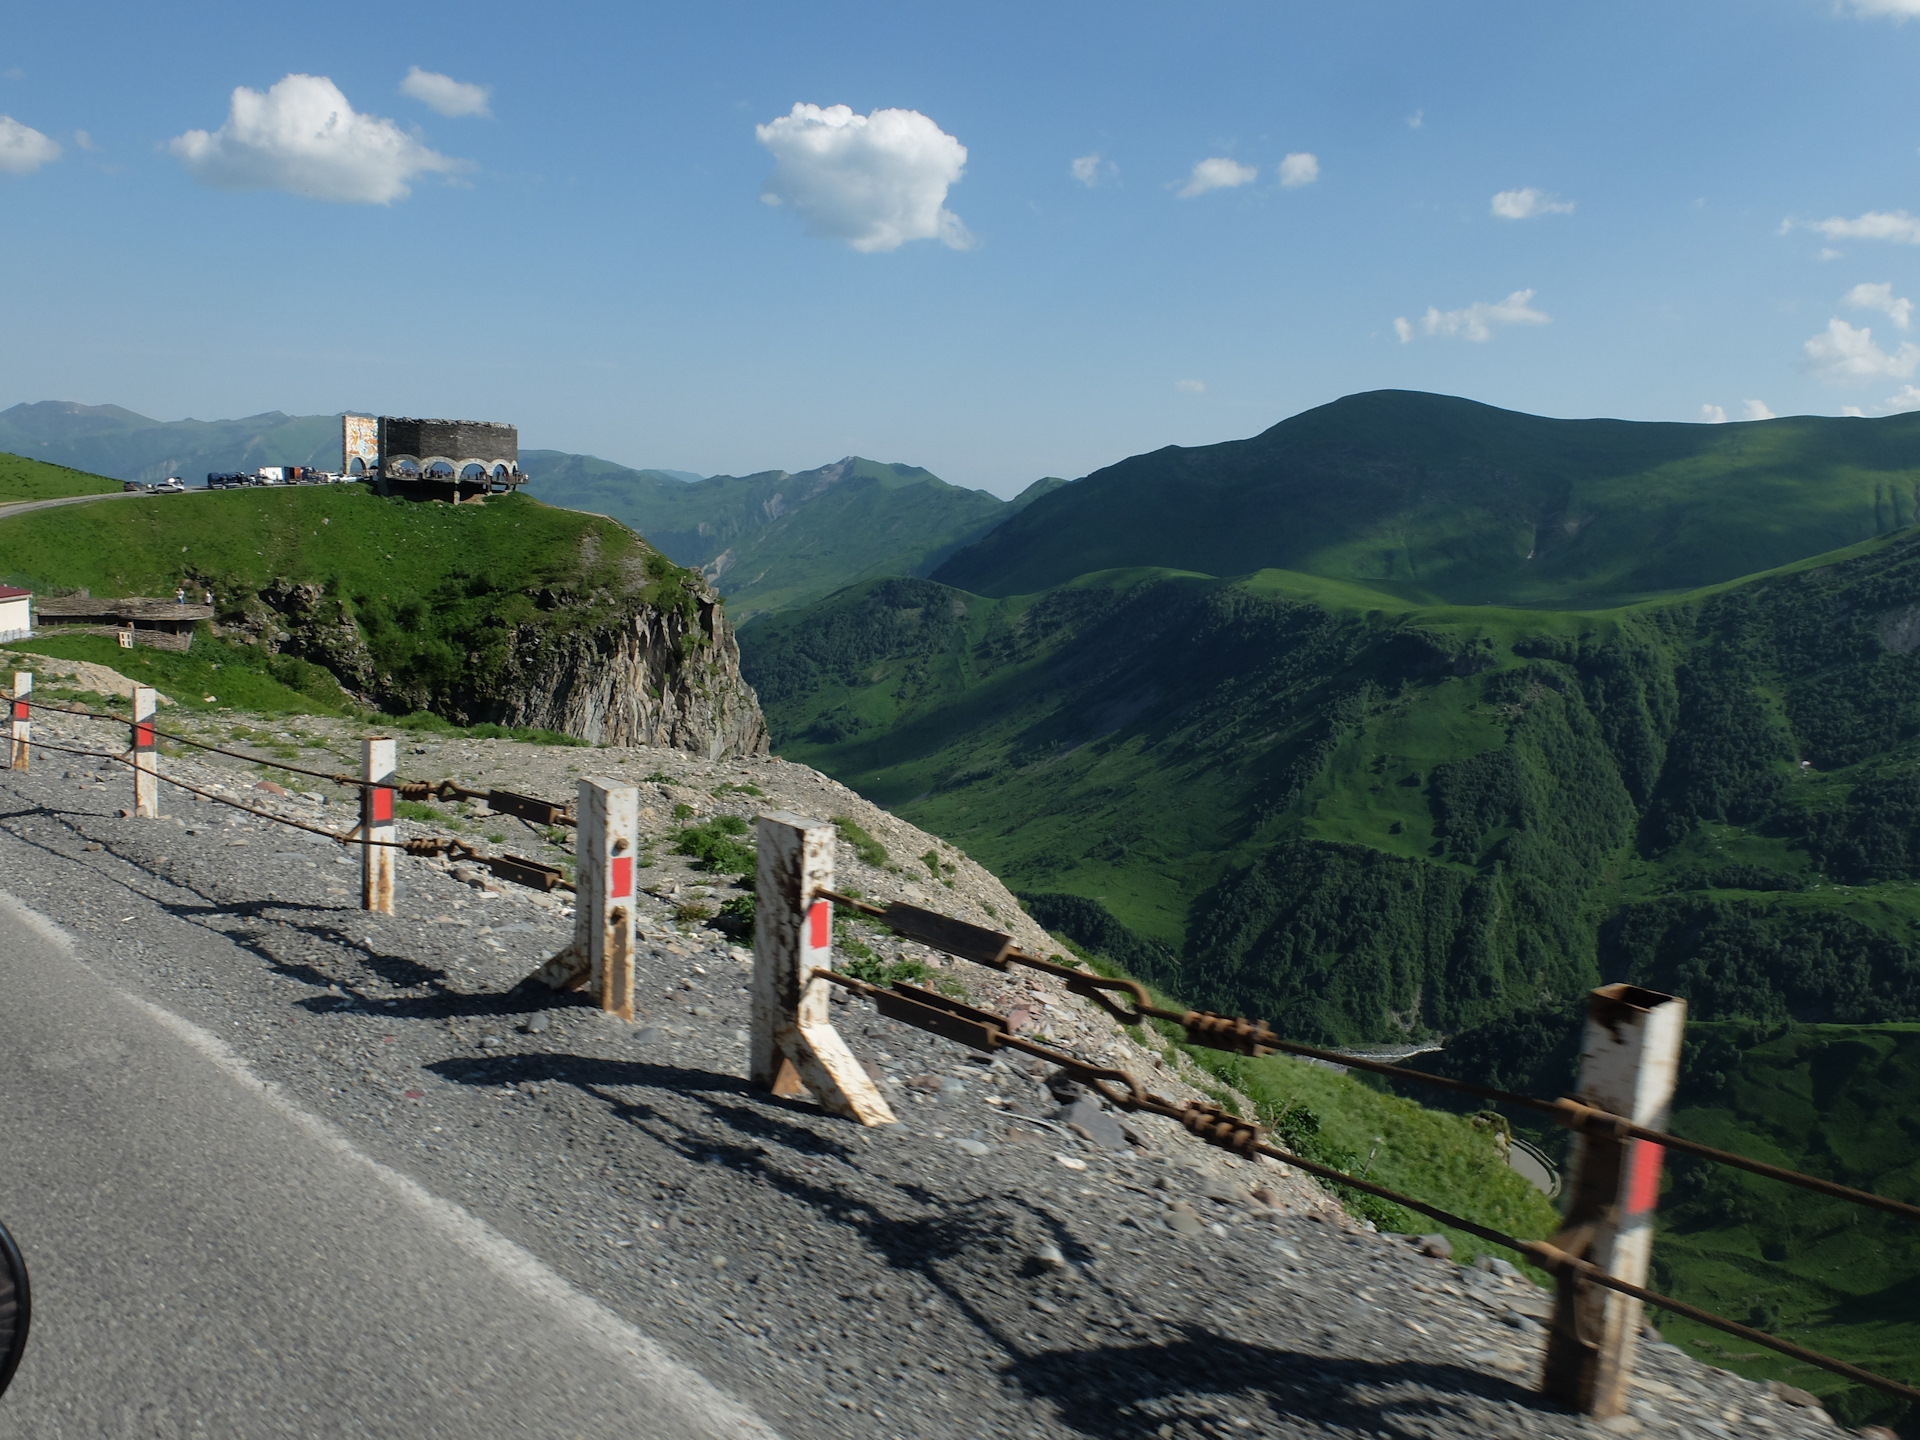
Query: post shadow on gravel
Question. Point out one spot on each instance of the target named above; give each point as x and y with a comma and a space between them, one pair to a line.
1100, 1391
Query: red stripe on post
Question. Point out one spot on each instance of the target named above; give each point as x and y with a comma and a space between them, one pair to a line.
379, 807
20, 710
1643, 1193
620, 878
820, 925
143, 737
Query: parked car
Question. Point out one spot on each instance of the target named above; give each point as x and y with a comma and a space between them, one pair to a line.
134, 487
172, 484
226, 480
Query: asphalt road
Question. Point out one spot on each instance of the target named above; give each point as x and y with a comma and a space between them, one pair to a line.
23, 506
210, 1259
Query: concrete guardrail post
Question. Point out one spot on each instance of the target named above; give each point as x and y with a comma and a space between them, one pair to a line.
606, 837
1630, 1061
794, 1044
606, 926
22, 718
146, 781
377, 834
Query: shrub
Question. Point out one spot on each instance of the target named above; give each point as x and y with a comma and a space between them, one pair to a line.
713, 846
869, 850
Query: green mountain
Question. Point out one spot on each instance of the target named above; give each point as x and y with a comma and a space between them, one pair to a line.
107, 440
1440, 500
1362, 818
774, 540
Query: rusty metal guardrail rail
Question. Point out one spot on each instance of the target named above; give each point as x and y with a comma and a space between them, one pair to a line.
1564, 1256
505, 802
139, 759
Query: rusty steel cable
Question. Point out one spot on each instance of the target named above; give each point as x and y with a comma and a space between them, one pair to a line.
1256, 1038
1209, 1122
506, 802
529, 873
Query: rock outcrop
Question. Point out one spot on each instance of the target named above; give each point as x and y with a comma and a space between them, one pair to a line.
654, 676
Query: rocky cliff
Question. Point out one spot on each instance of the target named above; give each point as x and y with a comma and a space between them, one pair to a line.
648, 659
653, 676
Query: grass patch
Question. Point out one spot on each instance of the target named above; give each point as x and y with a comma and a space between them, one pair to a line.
869, 850
25, 479
237, 677
715, 846
427, 722
1334, 1119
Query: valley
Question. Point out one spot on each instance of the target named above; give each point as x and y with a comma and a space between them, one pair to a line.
1408, 718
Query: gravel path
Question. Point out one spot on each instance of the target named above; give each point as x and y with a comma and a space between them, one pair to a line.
975, 1270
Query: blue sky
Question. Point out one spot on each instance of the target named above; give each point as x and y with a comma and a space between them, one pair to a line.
562, 219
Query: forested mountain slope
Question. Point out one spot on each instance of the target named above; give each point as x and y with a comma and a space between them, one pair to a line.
1360, 817
1441, 500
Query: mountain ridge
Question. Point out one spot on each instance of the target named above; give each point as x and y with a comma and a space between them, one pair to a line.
1447, 501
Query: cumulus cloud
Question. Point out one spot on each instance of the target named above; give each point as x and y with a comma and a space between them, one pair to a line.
1756, 410
1527, 203
1827, 252
1906, 398
875, 181
1881, 298
1846, 355
1898, 9
24, 149
1218, 173
1473, 322
1416, 119
303, 137
451, 97
1299, 169
1191, 387
1713, 414
1895, 225
1091, 170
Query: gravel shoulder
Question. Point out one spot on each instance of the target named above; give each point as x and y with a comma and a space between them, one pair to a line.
977, 1269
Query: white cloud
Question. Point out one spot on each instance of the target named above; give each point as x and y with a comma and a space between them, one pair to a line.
84, 140
1756, 410
1713, 415
1191, 387
1882, 298
1416, 119
451, 97
1847, 355
1853, 412
1898, 9
1895, 225
1527, 203
1218, 173
24, 149
1091, 170
1906, 398
1299, 169
1827, 252
1473, 322
875, 181
303, 137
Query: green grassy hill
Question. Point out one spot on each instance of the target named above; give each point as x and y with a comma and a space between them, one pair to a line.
24, 479
419, 606
1361, 818
1441, 500
775, 540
